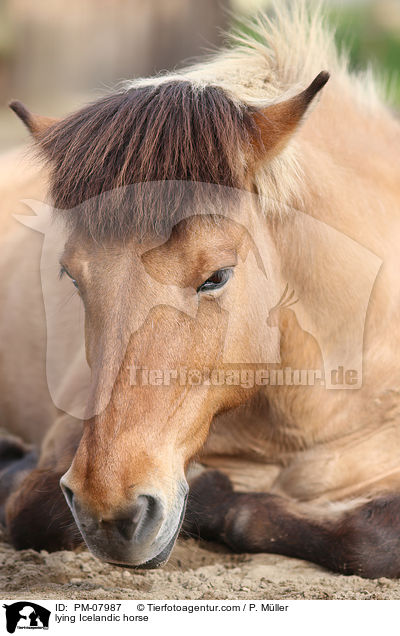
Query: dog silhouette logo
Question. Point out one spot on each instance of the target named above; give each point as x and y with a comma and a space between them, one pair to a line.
26, 615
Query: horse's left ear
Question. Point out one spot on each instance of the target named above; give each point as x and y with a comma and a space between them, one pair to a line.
36, 124
277, 122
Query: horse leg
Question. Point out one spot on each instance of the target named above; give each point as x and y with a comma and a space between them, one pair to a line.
355, 538
36, 513
16, 460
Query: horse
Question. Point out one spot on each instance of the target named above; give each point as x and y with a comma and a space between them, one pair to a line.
247, 210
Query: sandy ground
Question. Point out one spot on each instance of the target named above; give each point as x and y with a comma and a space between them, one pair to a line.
195, 571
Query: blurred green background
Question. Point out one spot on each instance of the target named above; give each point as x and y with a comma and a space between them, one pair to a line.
56, 55
370, 31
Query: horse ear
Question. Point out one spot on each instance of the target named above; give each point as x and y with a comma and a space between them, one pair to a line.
277, 122
36, 124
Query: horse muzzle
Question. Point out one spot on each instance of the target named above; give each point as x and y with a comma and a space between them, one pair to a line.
141, 537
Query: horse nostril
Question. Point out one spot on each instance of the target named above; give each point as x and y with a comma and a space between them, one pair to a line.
126, 527
141, 518
68, 494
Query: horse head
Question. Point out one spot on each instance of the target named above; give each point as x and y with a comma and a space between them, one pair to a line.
158, 289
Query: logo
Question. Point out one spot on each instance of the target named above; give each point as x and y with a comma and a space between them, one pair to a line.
26, 615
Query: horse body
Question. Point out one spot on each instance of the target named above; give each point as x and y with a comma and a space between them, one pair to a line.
312, 468
24, 395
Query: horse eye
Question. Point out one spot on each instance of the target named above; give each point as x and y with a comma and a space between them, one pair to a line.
216, 281
63, 271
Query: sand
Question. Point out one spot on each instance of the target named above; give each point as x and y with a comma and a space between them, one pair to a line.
195, 571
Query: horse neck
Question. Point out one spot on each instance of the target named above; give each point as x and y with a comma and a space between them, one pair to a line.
349, 154
350, 180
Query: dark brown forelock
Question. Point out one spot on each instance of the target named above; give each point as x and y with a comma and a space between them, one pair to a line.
174, 131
